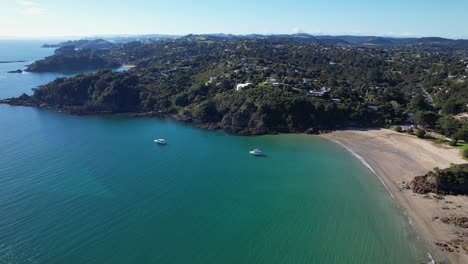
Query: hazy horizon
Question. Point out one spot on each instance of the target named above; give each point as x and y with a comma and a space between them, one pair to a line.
61, 19
77, 37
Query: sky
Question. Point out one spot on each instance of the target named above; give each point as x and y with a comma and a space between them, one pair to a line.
62, 18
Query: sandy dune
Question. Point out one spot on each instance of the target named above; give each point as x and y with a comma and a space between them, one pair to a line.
396, 158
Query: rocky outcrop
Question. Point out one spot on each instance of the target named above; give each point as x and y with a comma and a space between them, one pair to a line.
421, 185
453, 180
460, 221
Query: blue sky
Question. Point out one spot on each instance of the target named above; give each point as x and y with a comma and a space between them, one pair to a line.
46, 18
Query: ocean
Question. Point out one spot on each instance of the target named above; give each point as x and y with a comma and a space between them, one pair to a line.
96, 189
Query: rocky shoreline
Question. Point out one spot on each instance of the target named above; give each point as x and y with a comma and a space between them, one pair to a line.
25, 100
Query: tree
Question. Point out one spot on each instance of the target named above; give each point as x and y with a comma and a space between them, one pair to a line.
462, 133
450, 107
426, 118
417, 103
448, 125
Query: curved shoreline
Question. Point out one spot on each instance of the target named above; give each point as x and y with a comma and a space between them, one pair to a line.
395, 159
364, 162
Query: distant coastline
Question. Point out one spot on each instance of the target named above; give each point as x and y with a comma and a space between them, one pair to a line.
14, 61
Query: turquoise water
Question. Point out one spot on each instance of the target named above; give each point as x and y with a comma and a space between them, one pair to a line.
90, 189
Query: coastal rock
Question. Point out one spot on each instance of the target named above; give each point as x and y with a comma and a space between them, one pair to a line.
311, 131
422, 186
460, 221
182, 118
452, 180
455, 245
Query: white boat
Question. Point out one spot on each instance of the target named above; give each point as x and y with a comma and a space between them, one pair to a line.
160, 141
256, 152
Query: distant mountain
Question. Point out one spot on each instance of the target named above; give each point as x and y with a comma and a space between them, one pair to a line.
141, 38
429, 43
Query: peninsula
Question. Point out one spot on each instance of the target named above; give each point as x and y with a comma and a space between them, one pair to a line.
268, 84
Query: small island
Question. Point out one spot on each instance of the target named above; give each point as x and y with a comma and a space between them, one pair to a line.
16, 71
15, 61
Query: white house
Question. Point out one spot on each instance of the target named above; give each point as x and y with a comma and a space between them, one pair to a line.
324, 90
316, 93
241, 86
277, 84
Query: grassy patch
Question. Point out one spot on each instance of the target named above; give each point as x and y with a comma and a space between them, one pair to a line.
462, 146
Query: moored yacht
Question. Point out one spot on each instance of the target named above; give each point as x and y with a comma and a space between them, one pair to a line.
160, 141
256, 152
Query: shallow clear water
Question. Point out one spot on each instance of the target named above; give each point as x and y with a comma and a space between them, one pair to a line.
97, 190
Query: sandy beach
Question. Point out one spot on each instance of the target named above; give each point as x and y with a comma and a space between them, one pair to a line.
396, 158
